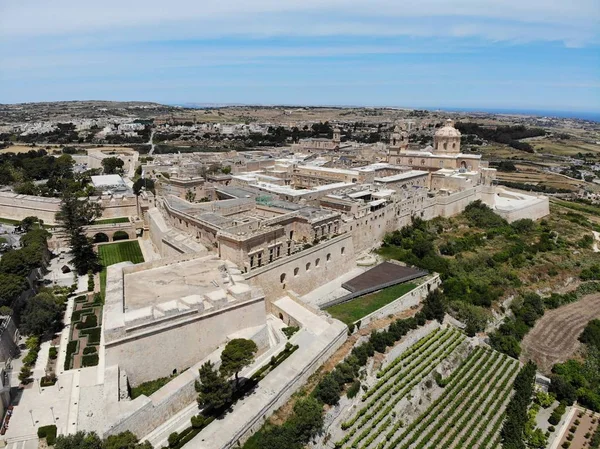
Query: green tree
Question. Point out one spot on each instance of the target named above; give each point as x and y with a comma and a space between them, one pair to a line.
328, 390
41, 313
73, 216
434, 306
238, 353
11, 286
79, 440
146, 183
307, 419
214, 390
112, 165
125, 440
591, 334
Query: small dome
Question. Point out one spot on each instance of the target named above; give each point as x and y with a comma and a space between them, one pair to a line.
448, 130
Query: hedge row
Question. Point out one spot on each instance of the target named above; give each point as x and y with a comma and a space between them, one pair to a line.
48, 432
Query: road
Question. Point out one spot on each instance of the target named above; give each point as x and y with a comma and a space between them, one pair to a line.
151, 143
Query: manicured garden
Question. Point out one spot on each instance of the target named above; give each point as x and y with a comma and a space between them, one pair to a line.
86, 318
355, 309
112, 221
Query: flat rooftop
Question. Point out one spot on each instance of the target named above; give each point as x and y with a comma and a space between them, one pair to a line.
172, 282
383, 275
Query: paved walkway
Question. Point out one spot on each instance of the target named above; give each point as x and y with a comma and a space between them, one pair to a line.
273, 390
35, 406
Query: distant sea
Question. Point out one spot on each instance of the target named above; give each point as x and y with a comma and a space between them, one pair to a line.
592, 116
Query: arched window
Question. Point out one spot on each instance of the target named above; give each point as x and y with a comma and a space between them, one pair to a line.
328, 257
282, 278
343, 250
422, 161
445, 146
317, 262
410, 161
308, 266
296, 270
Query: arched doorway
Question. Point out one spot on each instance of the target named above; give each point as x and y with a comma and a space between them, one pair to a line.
101, 237
120, 235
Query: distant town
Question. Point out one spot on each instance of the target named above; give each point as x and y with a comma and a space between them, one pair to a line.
286, 277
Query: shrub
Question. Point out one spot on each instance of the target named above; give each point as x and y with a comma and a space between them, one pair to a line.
290, 330
90, 321
25, 374
72, 347
354, 389
89, 360
92, 334
48, 432
53, 352
48, 381
91, 283
89, 350
173, 439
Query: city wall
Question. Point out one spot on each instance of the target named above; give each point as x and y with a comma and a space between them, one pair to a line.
17, 207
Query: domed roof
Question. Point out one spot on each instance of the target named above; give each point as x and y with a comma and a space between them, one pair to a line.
448, 130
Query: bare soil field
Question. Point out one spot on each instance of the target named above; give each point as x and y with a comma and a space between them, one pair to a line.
554, 337
588, 421
27, 148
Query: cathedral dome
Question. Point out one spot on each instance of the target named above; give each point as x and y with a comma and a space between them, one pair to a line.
448, 130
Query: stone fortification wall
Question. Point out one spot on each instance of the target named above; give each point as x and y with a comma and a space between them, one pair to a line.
17, 207
454, 204
404, 302
306, 270
144, 414
534, 211
185, 341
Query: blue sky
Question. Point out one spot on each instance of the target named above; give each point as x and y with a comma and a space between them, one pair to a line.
520, 54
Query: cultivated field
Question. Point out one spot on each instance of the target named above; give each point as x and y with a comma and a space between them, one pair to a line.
554, 337
405, 408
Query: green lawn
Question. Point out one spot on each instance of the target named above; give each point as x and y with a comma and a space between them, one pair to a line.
9, 221
147, 388
354, 310
112, 221
113, 253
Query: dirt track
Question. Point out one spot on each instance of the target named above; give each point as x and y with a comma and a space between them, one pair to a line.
554, 337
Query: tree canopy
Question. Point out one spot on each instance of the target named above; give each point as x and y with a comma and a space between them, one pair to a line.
112, 165
238, 353
41, 314
74, 215
214, 390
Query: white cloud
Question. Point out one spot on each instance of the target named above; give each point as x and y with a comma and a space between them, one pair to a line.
575, 21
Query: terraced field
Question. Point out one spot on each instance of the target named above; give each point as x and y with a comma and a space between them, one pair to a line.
466, 415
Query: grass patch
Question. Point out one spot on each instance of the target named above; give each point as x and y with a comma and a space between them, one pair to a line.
111, 221
354, 310
147, 388
9, 221
117, 252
